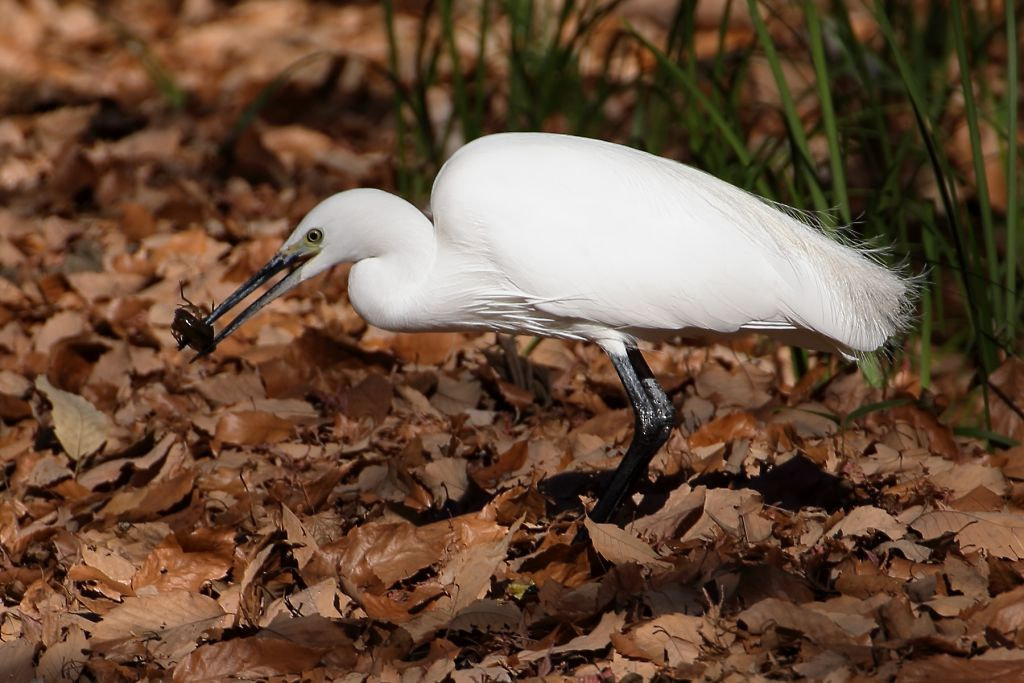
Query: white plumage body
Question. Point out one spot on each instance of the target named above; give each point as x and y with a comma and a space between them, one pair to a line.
578, 238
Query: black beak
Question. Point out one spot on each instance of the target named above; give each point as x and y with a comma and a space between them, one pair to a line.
281, 261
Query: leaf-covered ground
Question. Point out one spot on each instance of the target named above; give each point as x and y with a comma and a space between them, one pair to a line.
319, 500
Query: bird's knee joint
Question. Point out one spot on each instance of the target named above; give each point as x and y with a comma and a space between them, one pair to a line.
654, 425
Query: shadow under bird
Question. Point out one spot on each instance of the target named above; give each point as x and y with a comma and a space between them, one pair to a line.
568, 237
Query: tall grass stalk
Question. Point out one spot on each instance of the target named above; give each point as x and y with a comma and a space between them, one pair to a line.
966, 251
1013, 309
828, 115
794, 125
977, 152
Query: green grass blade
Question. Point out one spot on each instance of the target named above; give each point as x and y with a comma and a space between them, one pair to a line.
977, 304
828, 115
403, 178
869, 408
927, 314
159, 74
977, 153
460, 97
795, 126
730, 136
1013, 224
995, 438
266, 94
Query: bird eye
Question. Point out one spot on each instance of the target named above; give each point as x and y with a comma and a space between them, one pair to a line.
315, 236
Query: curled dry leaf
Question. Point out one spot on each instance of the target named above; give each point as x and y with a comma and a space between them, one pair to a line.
80, 428
744, 387
957, 669
169, 568
775, 613
172, 622
865, 520
739, 425
735, 513
466, 578
258, 657
671, 639
251, 428
997, 533
142, 503
619, 545
597, 638
488, 616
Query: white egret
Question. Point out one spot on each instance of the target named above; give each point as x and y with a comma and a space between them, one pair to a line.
575, 238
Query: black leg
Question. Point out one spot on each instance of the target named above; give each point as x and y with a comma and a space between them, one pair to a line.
654, 420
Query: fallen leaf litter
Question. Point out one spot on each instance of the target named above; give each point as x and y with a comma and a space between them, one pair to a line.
320, 499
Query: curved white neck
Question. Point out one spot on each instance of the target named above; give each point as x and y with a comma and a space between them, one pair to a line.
392, 259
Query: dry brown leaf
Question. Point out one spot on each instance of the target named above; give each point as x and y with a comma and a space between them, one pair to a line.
949, 669
142, 503
508, 462
370, 398
775, 613
937, 437
392, 482
598, 638
809, 420
1004, 614
488, 616
387, 552
169, 568
80, 428
170, 623
430, 348
63, 661
59, 326
682, 503
112, 564
251, 428
735, 513
1014, 458
323, 599
446, 478
47, 471
671, 639
258, 657
1009, 378
228, 388
997, 533
619, 545
303, 545
978, 499
455, 396
467, 578
14, 384
966, 477
740, 425
865, 520
110, 471
743, 387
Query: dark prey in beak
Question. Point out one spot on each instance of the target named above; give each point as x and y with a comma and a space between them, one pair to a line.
281, 261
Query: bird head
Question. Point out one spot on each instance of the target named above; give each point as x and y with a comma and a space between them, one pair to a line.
306, 253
